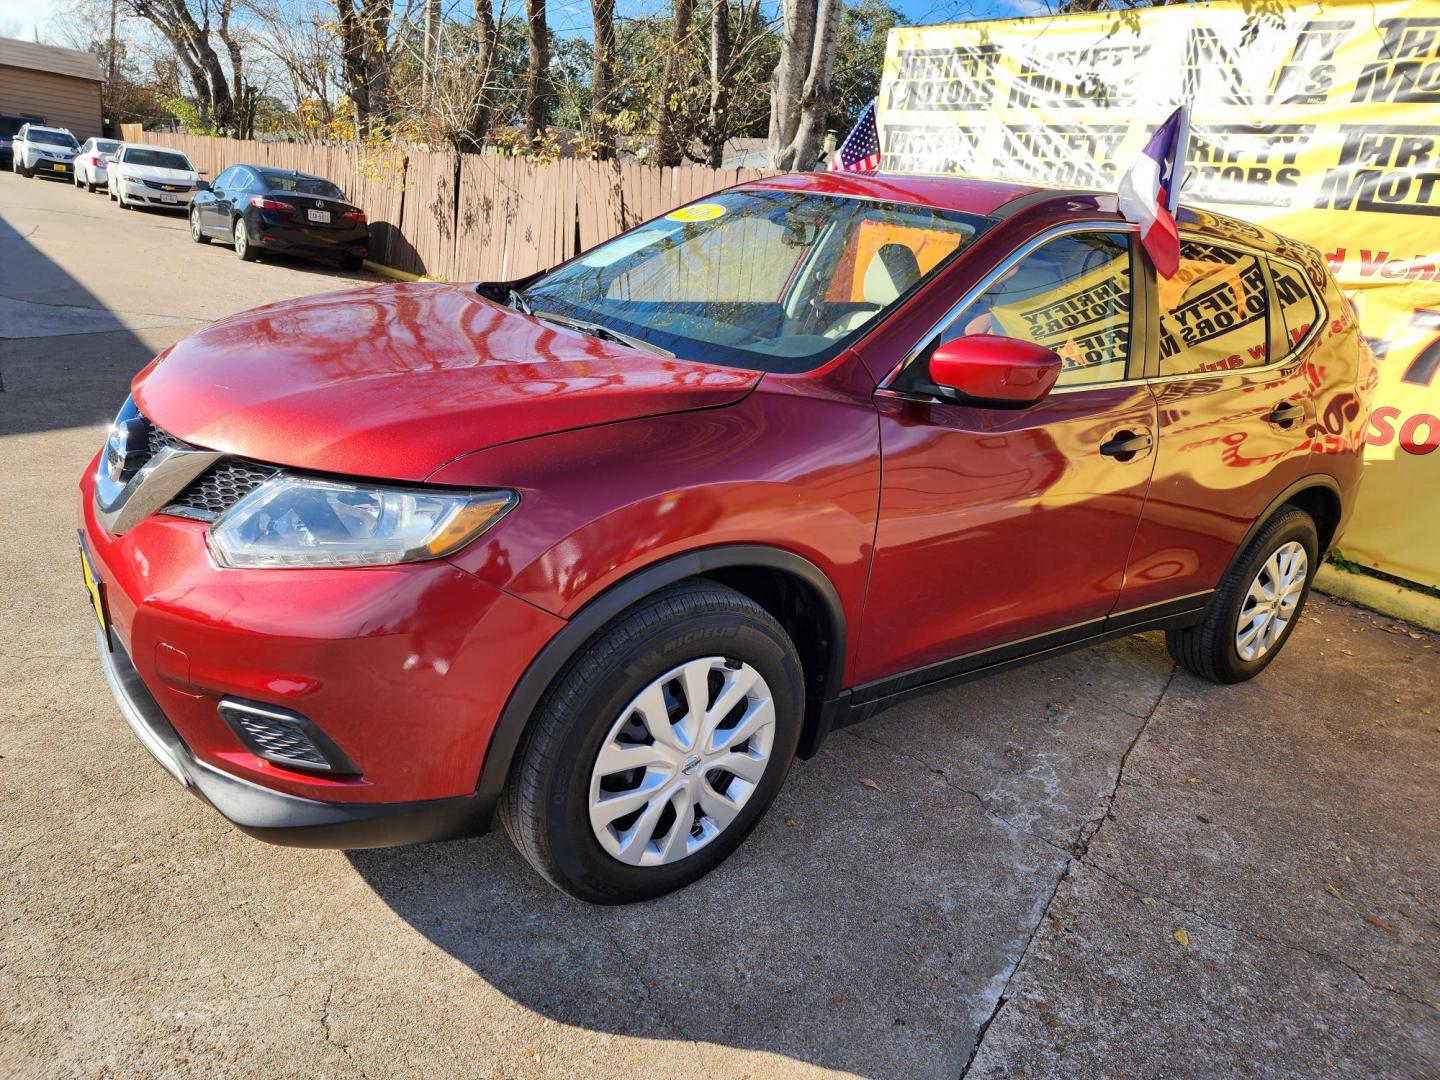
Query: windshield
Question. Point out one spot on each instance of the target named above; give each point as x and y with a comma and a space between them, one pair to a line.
301, 185
52, 138
764, 280
157, 159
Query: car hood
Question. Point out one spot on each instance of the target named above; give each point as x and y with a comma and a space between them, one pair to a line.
152, 172
396, 380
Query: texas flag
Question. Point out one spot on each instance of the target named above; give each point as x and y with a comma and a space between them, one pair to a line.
1150, 192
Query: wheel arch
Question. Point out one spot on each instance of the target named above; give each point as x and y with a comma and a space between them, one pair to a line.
1318, 495
796, 592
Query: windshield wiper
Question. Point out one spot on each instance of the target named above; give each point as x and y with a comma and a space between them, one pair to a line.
517, 301
600, 330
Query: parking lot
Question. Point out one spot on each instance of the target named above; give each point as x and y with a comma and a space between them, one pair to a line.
1094, 866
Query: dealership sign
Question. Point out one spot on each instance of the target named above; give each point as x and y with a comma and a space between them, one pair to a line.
1323, 123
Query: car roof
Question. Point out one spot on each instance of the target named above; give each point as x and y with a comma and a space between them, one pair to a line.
154, 146
963, 194
1004, 199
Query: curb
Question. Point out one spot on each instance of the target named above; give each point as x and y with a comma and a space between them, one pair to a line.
397, 275
1382, 596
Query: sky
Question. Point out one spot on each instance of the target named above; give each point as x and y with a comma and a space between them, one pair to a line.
22, 18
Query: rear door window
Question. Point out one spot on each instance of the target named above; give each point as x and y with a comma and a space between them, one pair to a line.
1214, 313
1295, 300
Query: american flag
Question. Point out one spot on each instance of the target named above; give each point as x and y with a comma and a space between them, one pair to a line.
860, 152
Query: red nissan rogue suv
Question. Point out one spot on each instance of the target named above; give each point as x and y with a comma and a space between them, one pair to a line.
605, 549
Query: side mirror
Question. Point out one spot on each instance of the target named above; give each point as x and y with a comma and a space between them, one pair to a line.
202, 185
1001, 372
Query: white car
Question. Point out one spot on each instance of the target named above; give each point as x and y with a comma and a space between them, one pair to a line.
139, 175
43, 151
90, 162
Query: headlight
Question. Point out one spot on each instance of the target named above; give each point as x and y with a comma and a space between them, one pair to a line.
299, 521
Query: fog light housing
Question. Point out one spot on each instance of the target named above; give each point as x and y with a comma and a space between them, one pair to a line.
285, 738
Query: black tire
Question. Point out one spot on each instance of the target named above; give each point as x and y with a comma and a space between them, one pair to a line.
1209, 649
351, 263
195, 233
247, 251
545, 807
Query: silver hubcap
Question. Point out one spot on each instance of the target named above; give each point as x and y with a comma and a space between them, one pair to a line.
194, 223
681, 761
1270, 604
240, 238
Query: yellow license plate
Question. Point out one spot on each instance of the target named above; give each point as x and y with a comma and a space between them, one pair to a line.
96, 592
60, 168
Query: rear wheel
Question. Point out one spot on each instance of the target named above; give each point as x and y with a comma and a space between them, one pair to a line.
196, 233
658, 747
351, 263
1257, 606
243, 247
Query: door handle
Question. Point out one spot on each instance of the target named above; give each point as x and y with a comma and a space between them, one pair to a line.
1126, 445
1286, 413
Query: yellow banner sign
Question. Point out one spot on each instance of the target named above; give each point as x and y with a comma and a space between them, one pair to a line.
1322, 123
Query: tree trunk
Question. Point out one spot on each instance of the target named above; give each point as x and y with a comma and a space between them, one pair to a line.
364, 54
602, 78
715, 125
487, 36
800, 93
669, 141
191, 42
537, 73
433, 18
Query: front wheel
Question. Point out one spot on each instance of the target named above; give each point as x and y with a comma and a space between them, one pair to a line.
658, 747
196, 233
1257, 606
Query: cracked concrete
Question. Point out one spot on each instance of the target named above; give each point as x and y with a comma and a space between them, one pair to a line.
999, 898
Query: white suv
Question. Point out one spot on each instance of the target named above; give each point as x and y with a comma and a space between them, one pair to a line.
138, 175
44, 151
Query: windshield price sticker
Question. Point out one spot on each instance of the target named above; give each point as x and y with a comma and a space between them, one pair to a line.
698, 212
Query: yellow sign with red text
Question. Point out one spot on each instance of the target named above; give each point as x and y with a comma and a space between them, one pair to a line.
1322, 123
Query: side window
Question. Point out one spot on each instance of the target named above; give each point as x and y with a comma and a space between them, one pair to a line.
1296, 300
224, 180
1214, 314
1072, 295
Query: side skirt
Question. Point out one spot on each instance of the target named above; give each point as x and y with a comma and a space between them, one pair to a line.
862, 702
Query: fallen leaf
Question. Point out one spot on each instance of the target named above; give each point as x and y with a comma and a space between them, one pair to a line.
1193, 780
1333, 891
1373, 921
1149, 901
791, 822
1346, 652
871, 784
1181, 936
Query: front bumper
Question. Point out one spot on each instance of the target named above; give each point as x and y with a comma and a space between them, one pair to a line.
406, 669
145, 195
46, 167
274, 815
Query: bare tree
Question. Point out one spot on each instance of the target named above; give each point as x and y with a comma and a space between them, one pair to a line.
434, 19
537, 73
719, 83
602, 77
188, 33
800, 93
365, 56
487, 44
669, 144
301, 43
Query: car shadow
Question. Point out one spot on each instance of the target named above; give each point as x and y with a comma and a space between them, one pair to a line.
869, 922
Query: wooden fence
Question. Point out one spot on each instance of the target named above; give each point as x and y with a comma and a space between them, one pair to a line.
473, 217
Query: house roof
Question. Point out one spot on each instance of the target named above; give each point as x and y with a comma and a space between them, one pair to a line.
51, 58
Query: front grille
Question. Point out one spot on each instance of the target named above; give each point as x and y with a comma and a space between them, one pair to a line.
157, 439
158, 186
219, 488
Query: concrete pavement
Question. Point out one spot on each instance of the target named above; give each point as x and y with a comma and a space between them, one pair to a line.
1095, 866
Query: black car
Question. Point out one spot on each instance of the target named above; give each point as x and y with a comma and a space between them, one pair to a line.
10, 125
262, 209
